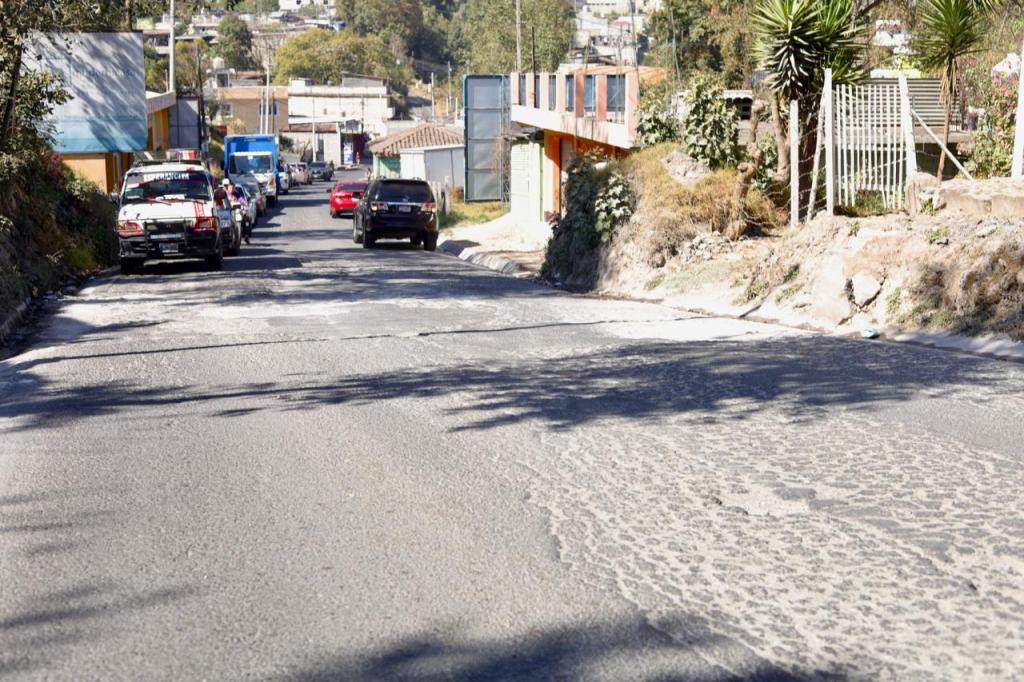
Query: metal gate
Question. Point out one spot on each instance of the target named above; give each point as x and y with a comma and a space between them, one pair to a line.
869, 138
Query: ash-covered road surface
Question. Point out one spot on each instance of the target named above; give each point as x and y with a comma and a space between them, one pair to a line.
326, 462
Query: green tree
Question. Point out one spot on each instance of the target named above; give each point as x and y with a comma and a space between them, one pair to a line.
323, 56
192, 59
156, 70
797, 41
683, 33
489, 34
234, 43
400, 20
950, 30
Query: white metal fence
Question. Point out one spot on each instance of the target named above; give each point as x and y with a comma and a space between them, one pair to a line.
870, 144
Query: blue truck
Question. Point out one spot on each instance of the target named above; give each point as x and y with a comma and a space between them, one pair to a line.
254, 155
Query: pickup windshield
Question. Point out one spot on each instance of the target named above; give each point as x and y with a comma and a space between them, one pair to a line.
250, 163
166, 186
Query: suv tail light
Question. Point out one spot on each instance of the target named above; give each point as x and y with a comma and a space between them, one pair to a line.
206, 223
129, 228
378, 206
428, 206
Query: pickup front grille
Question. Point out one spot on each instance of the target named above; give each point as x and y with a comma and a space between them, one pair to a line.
167, 227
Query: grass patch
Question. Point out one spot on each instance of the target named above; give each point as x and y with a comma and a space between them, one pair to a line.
472, 213
867, 204
654, 282
787, 293
892, 302
940, 235
669, 215
854, 228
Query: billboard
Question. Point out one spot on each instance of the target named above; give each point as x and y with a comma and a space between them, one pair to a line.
104, 74
486, 113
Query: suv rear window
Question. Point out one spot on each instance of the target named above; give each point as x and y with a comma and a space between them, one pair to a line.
412, 192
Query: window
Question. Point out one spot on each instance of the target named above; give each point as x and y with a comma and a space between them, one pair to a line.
616, 96
413, 192
225, 111
522, 91
536, 91
570, 93
552, 92
589, 94
263, 108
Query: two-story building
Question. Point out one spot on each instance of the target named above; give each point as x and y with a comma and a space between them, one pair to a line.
240, 108
563, 115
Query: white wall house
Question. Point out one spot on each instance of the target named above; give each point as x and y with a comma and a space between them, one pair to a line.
370, 105
445, 165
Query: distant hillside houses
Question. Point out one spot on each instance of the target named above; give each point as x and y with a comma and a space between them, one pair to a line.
296, 5
604, 8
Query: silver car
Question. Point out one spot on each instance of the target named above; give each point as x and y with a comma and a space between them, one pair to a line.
301, 173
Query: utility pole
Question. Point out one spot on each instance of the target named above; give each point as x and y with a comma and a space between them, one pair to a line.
170, 63
432, 116
519, 37
450, 87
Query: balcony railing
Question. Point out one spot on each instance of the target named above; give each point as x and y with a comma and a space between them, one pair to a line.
597, 106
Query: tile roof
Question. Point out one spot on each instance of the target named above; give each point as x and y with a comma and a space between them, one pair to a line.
426, 135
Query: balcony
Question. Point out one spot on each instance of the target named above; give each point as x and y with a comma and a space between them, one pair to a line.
598, 104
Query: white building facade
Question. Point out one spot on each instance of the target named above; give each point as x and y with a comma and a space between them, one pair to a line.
360, 103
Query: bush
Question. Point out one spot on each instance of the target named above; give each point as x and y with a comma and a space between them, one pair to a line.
710, 129
582, 228
656, 122
993, 142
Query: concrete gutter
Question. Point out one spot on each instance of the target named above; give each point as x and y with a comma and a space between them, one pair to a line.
483, 259
999, 347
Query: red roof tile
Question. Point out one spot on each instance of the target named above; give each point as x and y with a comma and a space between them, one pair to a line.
426, 135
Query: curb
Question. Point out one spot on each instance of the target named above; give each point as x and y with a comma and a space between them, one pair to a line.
990, 347
483, 259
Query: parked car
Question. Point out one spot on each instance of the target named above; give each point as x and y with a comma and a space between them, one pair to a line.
396, 209
250, 183
345, 197
284, 179
301, 173
172, 211
320, 170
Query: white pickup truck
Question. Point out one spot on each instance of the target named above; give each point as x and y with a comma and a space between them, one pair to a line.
171, 210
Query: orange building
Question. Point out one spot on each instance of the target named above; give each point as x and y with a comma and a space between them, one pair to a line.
590, 108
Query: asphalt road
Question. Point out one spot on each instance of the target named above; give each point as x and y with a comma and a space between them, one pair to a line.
326, 462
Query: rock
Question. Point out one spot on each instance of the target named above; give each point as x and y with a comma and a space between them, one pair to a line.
683, 169
869, 333
1007, 205
985, 231
865, 289
69, 290
830, 299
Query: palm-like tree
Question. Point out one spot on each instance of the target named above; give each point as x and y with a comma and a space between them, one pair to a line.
950, 30
796, 41
799, 39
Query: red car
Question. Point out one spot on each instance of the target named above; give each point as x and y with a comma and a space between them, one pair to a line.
345, 196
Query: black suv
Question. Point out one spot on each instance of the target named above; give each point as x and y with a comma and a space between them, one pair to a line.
396, 209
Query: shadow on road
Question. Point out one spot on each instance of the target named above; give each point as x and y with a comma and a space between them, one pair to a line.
716, 381
570, 653
39, 618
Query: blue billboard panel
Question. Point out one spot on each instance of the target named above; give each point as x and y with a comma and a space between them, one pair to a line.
104, 74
